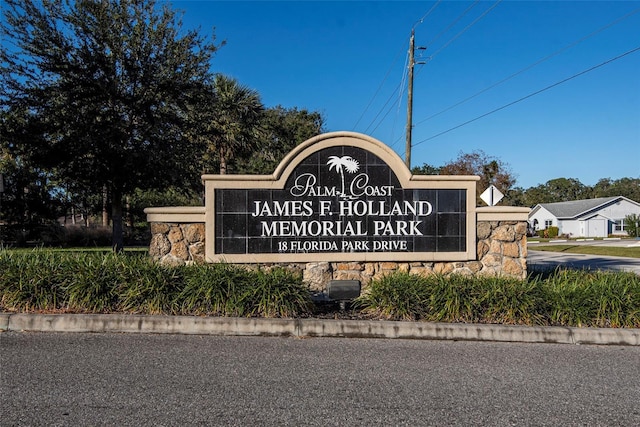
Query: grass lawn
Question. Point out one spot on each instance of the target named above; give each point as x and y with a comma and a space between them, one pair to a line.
633, 252
99, 249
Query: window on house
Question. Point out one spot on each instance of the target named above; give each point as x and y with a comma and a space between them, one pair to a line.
618, 225
548, 223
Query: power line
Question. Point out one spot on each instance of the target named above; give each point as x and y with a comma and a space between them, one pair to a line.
455, 37
379, 87
527, 68
465, 29
399, 87
392, 96
400, 94
421, 20
454, 22
530, 95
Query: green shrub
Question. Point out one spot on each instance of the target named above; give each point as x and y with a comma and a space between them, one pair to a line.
228, 290
552, 231
90, 282
593, 298
216, 289
632, 225
564, 297
277, 292
453, 298
513, 301
395, 296
93, 281
32, 281
146, 287
86, 282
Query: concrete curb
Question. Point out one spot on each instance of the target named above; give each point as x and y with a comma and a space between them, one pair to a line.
123, 323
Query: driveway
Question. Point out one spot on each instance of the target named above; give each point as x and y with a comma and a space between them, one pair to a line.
543, 259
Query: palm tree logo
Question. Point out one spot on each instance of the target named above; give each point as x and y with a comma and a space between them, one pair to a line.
342, 163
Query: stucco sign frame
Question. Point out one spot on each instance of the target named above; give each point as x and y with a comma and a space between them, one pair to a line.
340, 196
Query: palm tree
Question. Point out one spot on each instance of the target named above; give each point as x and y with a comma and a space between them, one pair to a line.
344, 162
231, 124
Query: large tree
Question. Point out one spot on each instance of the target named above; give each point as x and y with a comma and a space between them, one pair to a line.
426, 169
558, 190
110, 85
27, 195
627, 187
491, 170
282, 129
229, 122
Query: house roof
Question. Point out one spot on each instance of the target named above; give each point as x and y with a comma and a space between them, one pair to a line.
576, 208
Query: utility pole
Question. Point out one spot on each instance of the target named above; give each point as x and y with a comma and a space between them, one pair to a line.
412, 63
407, 158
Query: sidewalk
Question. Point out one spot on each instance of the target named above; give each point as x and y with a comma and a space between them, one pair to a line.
123, 323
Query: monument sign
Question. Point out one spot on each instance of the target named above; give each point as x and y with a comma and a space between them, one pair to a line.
340, 197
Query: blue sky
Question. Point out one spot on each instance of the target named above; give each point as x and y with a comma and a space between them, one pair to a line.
347, 60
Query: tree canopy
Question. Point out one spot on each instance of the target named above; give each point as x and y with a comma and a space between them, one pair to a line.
106, 88
229, 122
282, 129
628, 187
115, 97
493, 171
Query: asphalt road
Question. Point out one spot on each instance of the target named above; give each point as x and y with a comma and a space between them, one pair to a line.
545, 260
129, 379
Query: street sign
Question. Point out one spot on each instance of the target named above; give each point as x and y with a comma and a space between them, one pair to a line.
491, 195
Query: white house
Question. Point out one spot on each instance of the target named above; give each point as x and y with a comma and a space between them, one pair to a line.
585, 218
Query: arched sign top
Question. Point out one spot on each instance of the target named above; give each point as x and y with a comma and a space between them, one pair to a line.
339, 139
342, 139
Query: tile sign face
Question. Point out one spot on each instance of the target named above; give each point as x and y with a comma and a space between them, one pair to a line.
340, 199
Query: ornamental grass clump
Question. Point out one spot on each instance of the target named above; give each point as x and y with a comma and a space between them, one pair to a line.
398, 296
455, 298
593, 298
278, 292
87, 282
213, 290
93, 282
451, 299
32, 281
564, 297
228, 290
510, 301
146, 287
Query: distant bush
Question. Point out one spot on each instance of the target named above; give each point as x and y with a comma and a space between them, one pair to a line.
549, 232
55, 235
632, 225
553, 231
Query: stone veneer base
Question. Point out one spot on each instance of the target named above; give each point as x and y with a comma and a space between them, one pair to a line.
501, 251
